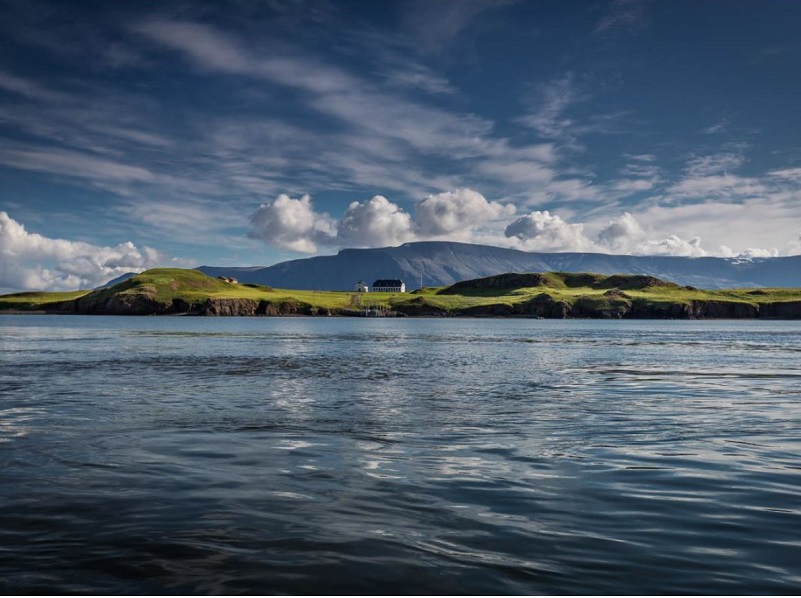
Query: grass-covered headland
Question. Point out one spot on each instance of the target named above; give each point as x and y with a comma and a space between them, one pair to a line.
546, 295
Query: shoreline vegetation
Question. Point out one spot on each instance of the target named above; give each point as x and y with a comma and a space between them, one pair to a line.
168, 291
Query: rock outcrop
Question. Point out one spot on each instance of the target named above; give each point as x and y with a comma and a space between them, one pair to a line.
252, 307
781, 310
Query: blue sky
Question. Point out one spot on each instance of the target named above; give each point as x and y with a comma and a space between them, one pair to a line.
167, 133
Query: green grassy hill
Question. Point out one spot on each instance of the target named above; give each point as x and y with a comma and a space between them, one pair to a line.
549, 295
37, 301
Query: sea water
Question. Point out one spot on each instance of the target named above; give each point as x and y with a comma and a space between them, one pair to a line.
339, 455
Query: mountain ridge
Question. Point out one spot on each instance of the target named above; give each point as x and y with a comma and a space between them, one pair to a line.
447, 262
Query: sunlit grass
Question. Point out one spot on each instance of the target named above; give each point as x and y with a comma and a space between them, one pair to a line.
164, 285
37, 300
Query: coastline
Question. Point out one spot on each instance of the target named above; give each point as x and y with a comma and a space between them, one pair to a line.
549, 295
449, 316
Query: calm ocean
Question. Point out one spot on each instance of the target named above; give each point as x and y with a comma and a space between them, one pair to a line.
335, 455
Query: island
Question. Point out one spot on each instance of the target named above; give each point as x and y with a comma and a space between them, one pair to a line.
170, 291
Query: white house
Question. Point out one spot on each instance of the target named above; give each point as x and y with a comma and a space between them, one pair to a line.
361, 287
389, 286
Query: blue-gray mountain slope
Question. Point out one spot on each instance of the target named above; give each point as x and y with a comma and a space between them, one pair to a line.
443, 263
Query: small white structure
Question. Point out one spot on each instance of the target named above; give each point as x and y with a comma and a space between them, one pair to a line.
388, 285
361, 287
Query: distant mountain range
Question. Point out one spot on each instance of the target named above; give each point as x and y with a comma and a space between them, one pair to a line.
437, 263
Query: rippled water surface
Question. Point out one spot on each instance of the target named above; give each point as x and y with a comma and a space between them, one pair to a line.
280, 455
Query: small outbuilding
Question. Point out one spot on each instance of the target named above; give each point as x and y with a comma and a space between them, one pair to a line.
389, 285
361, 287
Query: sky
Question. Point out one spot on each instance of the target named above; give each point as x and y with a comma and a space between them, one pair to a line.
143, 134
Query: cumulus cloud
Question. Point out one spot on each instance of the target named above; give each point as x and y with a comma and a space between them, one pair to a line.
626, 235
673, 245
467, 215
374, 223
69, 264
543, 231
291, 224
294, 224
619, 233
456, 213
758, 252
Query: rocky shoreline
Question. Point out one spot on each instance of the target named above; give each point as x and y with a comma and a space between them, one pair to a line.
551, 295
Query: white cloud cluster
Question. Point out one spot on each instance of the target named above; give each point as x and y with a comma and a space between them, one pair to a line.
626, 235
291, 224
543, 231
374, 223
70, 264
294, 224
466, 215
672, 245
756, 252
457, 213
618, 233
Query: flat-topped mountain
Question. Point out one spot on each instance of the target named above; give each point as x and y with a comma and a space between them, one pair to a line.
443, 263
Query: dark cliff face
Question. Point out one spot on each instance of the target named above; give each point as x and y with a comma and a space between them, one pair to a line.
613, 304
543, 306
142, 305
782, 310
617, 305
229, 307
118, 305
723, 310
252, 307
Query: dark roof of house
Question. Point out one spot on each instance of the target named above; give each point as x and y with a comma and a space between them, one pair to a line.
387, 282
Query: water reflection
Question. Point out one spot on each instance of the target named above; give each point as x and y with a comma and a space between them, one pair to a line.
415, 456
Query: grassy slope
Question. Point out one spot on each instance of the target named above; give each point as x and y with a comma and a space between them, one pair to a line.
36, 301
164, 284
